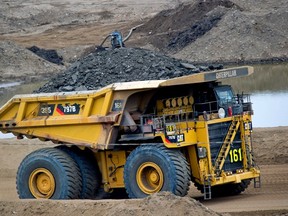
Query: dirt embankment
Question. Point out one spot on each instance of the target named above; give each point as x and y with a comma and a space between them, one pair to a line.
271, 145
163, 203
221, 31
20, 64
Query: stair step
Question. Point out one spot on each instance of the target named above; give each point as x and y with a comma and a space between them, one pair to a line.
257, 182
207, 190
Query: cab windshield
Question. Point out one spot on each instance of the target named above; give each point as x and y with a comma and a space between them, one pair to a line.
224, 95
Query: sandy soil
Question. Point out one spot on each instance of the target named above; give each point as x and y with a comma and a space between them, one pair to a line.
271, 151
258, 30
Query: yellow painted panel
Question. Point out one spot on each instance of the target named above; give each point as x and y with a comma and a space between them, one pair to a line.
9, 112
115, 167
97, 106
194, 164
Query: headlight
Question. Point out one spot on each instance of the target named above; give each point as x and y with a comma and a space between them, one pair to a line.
221, 113
248, 126
202, 152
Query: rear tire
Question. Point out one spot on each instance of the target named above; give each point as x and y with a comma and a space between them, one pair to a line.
153, 168
48, 173
90, 174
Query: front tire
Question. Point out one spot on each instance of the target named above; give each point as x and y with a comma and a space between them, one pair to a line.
226, 189
230, 189
153, 168
48, 173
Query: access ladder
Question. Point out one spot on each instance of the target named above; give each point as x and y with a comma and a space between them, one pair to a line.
224, 150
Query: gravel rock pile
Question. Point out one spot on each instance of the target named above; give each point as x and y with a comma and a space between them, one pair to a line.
99, 69
49, 55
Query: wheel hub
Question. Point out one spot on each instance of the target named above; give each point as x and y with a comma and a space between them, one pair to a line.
154, 177
150, 178
42, 183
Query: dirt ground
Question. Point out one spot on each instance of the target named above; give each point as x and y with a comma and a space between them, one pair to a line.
271, 152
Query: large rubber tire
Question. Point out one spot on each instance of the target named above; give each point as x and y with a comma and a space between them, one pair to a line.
48, 173
153, 168
233, 189
227, 189
90, 174
230, 189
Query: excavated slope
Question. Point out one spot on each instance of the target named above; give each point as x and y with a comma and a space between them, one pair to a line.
223, 31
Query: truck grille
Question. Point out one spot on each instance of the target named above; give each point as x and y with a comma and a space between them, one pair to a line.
217, 134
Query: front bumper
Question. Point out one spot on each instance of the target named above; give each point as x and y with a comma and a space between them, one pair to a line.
226, 177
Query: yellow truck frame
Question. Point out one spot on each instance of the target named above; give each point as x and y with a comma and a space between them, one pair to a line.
144, 136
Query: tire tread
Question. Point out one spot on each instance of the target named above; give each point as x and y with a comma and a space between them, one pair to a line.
176, 160
71, 171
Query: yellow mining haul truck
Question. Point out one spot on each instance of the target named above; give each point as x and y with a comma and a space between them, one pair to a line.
144, 136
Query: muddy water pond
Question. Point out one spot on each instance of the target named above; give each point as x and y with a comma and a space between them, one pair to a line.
268, 87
